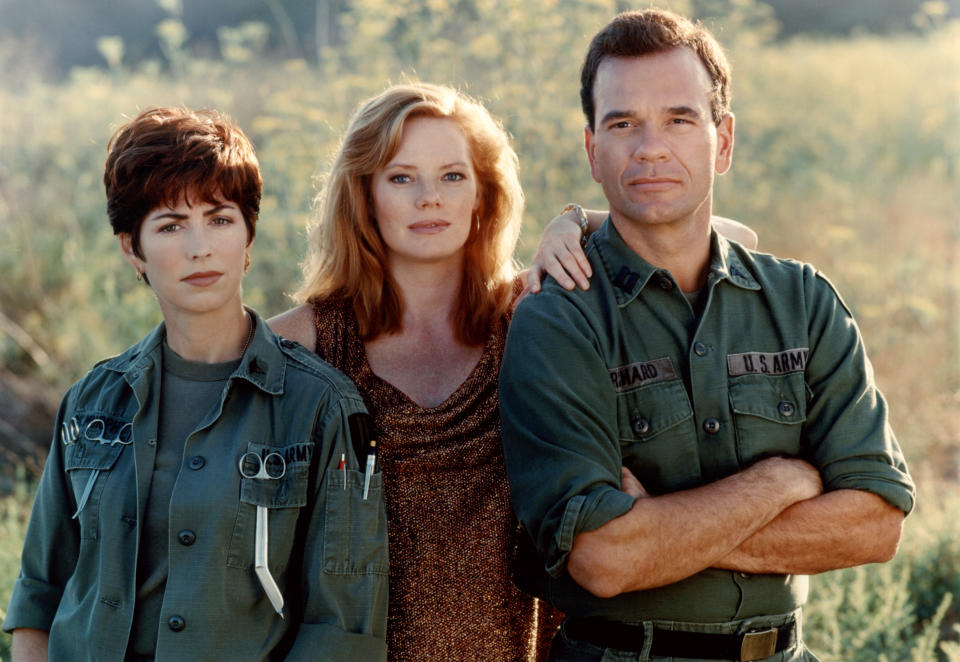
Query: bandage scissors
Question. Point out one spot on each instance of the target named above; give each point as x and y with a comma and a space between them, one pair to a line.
69, 432
97, 428
270, 467
94, 431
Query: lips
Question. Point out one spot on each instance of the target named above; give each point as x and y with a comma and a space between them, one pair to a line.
429, 227
202, 278
652, 184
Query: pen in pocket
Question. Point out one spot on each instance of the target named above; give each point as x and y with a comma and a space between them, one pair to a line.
371, 462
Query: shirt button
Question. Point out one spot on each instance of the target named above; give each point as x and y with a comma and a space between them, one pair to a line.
176, 623
711, 426
700, 349
640, 425
197, 462
187, 537
744, 575
786, 408
666, 284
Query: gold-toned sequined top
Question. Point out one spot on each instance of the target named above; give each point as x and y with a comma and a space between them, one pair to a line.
449, 520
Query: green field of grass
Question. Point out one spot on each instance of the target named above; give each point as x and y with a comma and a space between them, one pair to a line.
847, 156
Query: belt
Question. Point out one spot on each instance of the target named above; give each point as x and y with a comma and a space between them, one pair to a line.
754, 645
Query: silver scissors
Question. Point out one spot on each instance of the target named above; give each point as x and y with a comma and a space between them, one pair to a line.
97, 427
69, 431
269, 467
94, 431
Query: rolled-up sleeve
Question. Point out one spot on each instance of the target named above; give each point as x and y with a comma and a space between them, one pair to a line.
51, 547
850, 438
345, 569
558, 414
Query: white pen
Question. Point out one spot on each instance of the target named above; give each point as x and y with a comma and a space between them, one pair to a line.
371, 462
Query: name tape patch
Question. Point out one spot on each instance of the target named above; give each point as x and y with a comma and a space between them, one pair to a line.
767, 363
640, 374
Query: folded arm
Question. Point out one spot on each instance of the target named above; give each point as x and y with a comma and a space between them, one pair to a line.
664, 539
838, 529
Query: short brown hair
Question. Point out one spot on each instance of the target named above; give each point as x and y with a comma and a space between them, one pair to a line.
347, 256
166, 153
648, 31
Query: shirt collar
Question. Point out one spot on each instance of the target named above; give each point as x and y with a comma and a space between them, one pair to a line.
629, 273
263, 363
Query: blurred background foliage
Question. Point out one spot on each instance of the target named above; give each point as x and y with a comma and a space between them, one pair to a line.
848, 138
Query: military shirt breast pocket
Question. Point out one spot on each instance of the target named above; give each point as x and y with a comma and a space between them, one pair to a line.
283, 497
768, 414
93, 442
354, 527
656, 441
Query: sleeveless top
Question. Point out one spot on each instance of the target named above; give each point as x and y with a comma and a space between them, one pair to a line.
450, 522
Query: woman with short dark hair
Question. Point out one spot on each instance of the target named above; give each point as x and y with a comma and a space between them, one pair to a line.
207, 494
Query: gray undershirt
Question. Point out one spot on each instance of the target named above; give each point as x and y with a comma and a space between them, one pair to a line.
188, 391
696, 300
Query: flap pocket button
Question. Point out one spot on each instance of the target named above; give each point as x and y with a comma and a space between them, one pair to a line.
786, 408
640, 425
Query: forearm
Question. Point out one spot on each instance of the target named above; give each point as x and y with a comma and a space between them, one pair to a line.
668, 538
838, 529
29, 645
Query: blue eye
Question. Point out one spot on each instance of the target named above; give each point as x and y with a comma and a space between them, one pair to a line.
401, 179
454, 177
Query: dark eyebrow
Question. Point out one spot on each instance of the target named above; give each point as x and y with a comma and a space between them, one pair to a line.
168, 215
219, 208
172, 215
615, 115
673, 111
683, 111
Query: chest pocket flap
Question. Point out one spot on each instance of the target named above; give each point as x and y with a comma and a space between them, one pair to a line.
776, 398
287, 491
97, 441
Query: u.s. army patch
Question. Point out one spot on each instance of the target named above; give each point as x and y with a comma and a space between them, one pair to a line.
643, 373
767, 363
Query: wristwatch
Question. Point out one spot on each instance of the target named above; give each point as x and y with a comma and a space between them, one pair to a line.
582, 217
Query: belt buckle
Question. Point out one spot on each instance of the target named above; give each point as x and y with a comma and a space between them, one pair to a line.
758, 645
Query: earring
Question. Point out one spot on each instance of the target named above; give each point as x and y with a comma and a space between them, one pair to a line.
246, 262
139, 276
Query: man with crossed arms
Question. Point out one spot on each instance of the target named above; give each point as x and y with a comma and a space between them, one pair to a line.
699, 430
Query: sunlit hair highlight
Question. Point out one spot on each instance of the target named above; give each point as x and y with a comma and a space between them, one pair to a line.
347, 258
167, 153
649, 31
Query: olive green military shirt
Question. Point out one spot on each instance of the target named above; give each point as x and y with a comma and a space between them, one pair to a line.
327, 543
626, 373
